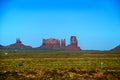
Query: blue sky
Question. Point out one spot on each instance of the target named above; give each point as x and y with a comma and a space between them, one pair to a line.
95, 23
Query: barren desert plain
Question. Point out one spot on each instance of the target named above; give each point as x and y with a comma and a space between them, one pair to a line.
38, 64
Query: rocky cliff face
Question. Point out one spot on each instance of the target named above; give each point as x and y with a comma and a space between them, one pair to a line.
63, 44
55, 44
18, 44
73, 44
117, 48
51, 43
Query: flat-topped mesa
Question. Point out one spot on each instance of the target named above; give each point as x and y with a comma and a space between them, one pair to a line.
51, 43
116, 48
18, 44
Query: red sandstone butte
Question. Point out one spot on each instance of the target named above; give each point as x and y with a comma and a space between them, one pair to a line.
73, 44
18, 44
63, 44
52, 43
117, 48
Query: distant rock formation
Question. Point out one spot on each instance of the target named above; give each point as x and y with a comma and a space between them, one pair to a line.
1, 46
18, 44
63, 44
116, 48
73, 44
52, 43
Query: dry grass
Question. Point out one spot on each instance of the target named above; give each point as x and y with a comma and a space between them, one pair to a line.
60, 65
